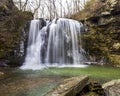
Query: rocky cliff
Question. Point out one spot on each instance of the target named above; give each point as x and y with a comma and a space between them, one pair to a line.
11, 23
102, 41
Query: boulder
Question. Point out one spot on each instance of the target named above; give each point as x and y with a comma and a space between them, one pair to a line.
112, 88
69, 87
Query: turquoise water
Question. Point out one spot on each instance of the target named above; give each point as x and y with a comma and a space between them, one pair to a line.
17, 82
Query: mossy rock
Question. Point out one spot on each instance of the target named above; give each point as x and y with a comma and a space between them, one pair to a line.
115, 59
12, 22
91, 94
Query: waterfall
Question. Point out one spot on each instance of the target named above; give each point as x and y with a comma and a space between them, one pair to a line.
54, 43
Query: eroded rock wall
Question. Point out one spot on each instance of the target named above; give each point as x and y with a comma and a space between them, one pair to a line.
102, 40
11, 23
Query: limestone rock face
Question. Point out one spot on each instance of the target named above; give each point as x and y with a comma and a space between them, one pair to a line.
112, 88
69, 87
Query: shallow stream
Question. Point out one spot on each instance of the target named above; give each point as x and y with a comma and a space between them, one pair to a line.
16, 82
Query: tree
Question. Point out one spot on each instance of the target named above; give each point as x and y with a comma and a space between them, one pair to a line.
50, 8
21, 4
36, 6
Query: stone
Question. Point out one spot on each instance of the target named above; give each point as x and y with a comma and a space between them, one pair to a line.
116, 46
105, 13
112, 88
3, 63
69, 87
1, 73
105, 21
115, 58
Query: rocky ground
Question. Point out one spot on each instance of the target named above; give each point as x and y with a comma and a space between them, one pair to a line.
81, 86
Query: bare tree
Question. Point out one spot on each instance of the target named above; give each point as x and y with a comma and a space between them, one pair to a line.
77, 6
54, 8
37, 6
50, 8
20, 4
24, 6
42, 10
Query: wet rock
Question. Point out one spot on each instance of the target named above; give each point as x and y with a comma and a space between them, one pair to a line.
112, 88
93, 88
1, 73
69, 87
12, 22
3, 63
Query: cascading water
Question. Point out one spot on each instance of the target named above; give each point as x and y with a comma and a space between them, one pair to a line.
55, 42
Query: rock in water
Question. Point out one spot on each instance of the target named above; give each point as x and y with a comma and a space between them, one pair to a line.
69, 87
112, 88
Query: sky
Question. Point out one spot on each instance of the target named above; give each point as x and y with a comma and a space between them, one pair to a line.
46, 10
